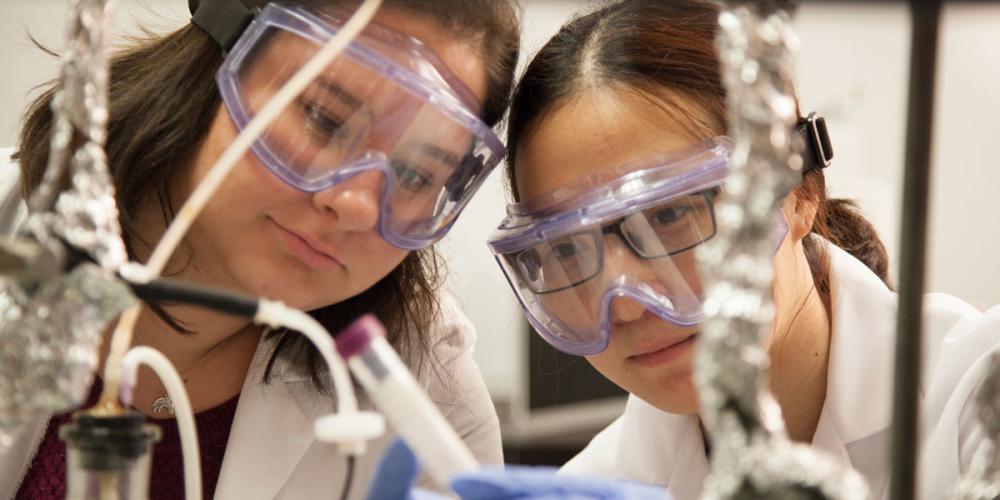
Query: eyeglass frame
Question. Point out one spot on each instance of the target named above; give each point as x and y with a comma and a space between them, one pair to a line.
615, 227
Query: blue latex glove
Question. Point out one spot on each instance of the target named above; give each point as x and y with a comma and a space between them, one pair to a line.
398, 470
538, 483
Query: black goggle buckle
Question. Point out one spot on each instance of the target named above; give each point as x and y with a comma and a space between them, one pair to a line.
818, 153
224, 20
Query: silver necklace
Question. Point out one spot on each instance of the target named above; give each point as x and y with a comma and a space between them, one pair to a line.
164, 403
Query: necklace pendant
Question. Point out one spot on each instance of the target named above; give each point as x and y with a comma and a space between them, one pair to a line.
164, 404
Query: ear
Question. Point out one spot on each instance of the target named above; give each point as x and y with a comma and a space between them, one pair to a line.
800, 214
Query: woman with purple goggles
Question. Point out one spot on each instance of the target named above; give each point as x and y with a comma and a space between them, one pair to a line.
615, 158
387, 110
333, 212
563, 251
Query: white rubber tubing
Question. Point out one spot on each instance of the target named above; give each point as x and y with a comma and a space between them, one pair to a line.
172, 381
276, 314
122, 337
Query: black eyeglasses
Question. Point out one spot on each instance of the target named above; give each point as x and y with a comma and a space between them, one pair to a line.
656, 232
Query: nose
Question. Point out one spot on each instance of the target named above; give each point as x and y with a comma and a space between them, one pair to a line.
619, 260
354, 203
624, 310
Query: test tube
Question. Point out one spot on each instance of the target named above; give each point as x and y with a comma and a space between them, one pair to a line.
403, 402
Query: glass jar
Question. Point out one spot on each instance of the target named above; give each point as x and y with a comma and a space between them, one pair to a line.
108, 457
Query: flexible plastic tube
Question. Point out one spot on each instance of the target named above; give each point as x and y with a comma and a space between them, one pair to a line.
172, 381
277, 314
122, 336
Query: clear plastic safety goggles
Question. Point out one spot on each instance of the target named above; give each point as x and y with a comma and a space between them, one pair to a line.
386, 107
624, 233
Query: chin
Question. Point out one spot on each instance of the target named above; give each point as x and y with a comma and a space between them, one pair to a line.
309, 297
674, 394
298, 290
305, 302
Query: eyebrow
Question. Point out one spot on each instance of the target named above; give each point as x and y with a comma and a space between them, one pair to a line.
438, 153
339, 92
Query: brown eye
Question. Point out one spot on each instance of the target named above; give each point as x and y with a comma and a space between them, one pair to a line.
562, 252
321, 122
410, 178
669, 215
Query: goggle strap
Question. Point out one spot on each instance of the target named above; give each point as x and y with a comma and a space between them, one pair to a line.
223, 20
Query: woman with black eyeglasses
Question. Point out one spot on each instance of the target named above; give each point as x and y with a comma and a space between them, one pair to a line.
616, 153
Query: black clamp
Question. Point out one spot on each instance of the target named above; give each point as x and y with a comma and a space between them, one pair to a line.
223, 20
818, 153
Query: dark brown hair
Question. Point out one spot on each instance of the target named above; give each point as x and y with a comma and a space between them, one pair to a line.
666, 51
162, 101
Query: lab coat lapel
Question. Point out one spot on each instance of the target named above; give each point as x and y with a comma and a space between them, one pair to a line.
860, 376
690, 468
827, 440
858, 408
17, 455
662, 448
272, 430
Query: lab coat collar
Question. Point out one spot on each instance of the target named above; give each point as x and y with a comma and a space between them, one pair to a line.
272, 430
861, 350
663, 448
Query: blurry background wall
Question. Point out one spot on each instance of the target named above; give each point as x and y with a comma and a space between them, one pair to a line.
852, 69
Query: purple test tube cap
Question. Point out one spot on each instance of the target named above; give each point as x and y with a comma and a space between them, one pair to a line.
355, 339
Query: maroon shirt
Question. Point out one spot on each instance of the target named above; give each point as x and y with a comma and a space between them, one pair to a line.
46, 479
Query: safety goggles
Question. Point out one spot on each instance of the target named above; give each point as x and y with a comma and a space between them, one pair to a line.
386, 109
624, 233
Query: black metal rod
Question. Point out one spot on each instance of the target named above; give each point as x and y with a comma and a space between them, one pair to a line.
913, 241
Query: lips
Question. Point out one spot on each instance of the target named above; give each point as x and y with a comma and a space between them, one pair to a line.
307, 250
665, 351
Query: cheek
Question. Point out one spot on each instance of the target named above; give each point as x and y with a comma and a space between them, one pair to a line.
249, 185
576, 306
258, 180
608, 366
249, 193
670, 389
615, 366
376, 257
686, 264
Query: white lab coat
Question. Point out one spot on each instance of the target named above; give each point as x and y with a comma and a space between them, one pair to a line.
272, 452
648, 445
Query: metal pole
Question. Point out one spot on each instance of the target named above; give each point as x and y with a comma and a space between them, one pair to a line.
920, 109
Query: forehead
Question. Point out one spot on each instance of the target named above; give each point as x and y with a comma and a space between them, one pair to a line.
593, 131
464, 57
